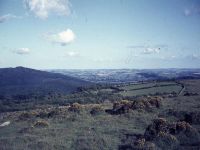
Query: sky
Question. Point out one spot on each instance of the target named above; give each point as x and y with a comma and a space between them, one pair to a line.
100, 34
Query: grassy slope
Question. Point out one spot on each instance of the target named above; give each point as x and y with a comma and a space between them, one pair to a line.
74, 130
71, 130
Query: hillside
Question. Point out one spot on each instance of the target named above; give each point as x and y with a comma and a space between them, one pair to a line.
152, 120
22, 80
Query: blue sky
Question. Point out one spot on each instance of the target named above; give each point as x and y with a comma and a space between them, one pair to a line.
93, 34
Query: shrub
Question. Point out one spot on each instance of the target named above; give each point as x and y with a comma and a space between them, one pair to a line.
125, 102
116, 105
166, 141
97, 109
182, 126
155, 101
147, 103
124, 106
121, 107
27, 115
75, 107
169, 135
41, 123
158, 125
140, 142
53, 113
186, 134
141, 104
43, 114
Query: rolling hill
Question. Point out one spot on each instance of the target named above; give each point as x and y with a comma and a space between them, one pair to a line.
22, 80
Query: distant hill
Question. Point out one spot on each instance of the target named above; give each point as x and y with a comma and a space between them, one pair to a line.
130, 75
22, 80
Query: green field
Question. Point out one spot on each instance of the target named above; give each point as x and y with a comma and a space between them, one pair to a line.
150, 88
137, 86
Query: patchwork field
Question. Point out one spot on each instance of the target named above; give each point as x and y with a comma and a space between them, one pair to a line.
151, 89
144, 89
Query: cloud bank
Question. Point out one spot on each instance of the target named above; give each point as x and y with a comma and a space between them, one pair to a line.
42, 8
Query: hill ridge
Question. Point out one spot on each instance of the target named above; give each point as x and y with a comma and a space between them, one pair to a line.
21, 80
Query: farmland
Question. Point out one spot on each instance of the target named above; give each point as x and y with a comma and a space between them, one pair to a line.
151, 89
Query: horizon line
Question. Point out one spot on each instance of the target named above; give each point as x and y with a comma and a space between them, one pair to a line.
164, 68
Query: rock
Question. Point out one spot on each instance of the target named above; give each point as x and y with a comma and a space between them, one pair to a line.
5, 124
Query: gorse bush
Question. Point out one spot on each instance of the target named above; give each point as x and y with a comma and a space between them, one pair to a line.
41, 123
27, 115
156, 101
140, 142
164, 135
96, 109
124, 106
43, 114
168, 135
75, 107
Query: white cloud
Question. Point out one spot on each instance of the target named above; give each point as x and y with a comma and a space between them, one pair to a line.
42, 8
195, 56
171, 57
63, 38
72, 54
7, 17
22, 51
148, 49
151, 51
